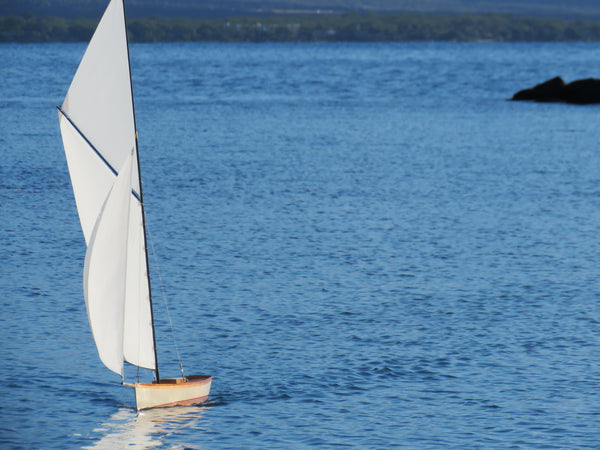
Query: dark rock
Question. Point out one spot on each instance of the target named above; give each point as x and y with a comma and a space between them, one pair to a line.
581, 92
548, 91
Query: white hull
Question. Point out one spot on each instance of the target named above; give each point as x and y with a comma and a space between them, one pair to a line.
172, 392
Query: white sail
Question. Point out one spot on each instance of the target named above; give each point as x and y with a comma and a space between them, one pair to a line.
99, 100
90, 176
138, 340
98, 130
105, 271
99, 104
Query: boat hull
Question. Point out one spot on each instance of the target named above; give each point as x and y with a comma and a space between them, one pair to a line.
172, 392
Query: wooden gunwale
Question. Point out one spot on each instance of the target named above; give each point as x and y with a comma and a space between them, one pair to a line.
173, 383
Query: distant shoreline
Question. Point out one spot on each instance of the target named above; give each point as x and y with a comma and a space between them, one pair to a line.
348, 27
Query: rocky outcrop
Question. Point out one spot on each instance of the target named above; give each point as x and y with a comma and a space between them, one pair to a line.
581, 92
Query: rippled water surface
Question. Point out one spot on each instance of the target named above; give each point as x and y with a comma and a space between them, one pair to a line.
365, 245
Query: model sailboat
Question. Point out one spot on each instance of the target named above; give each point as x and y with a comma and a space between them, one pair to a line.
97, 123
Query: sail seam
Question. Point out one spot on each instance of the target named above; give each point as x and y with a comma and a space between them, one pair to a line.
102, 158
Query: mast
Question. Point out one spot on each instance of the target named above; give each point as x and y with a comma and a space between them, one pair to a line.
137, 152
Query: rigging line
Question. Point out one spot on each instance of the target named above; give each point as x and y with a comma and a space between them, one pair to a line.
96, 151
162, 288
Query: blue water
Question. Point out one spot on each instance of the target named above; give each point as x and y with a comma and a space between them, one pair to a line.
365, 244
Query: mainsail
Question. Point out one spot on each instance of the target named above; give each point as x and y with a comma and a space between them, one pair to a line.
98, 129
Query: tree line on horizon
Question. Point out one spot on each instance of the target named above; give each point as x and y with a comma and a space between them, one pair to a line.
351, 27
566, 9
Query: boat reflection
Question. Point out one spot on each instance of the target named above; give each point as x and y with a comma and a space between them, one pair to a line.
151, 428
